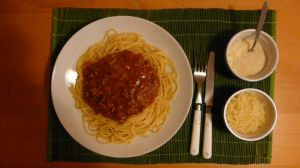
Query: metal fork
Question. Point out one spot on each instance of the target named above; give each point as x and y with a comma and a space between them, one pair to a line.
199, 76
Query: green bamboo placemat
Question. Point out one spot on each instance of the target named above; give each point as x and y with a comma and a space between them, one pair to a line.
198, 31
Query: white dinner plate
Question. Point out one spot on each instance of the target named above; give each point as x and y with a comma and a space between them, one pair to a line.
64, 74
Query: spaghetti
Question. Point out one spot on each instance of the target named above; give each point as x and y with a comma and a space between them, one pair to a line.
152, 118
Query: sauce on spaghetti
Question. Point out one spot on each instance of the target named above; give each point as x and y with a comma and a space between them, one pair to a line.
120, 85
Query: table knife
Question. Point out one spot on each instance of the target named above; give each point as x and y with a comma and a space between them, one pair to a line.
209, 92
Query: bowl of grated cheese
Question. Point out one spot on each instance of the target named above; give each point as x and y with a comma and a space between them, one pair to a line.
253, 65
250, 114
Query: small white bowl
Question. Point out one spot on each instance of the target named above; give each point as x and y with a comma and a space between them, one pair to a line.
269, 47
261, 132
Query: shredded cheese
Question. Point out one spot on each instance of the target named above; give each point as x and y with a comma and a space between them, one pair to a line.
247, 112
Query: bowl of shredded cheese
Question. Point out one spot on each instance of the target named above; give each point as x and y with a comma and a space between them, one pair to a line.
250, 114
252, 65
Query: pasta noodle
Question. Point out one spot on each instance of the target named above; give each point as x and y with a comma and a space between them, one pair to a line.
153, 117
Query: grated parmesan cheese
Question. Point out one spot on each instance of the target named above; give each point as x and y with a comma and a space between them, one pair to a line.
244, 62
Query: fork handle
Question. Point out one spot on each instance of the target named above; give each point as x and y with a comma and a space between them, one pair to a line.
194, 148
207, 139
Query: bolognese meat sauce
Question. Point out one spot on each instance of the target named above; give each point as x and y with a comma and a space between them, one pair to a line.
120, 85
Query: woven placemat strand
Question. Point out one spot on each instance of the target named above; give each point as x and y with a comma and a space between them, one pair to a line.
198, 31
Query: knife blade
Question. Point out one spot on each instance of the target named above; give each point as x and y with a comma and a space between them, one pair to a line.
210, 79
209, 92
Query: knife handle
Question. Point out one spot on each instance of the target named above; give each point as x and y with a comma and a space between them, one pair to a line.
207, 140
194, 148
